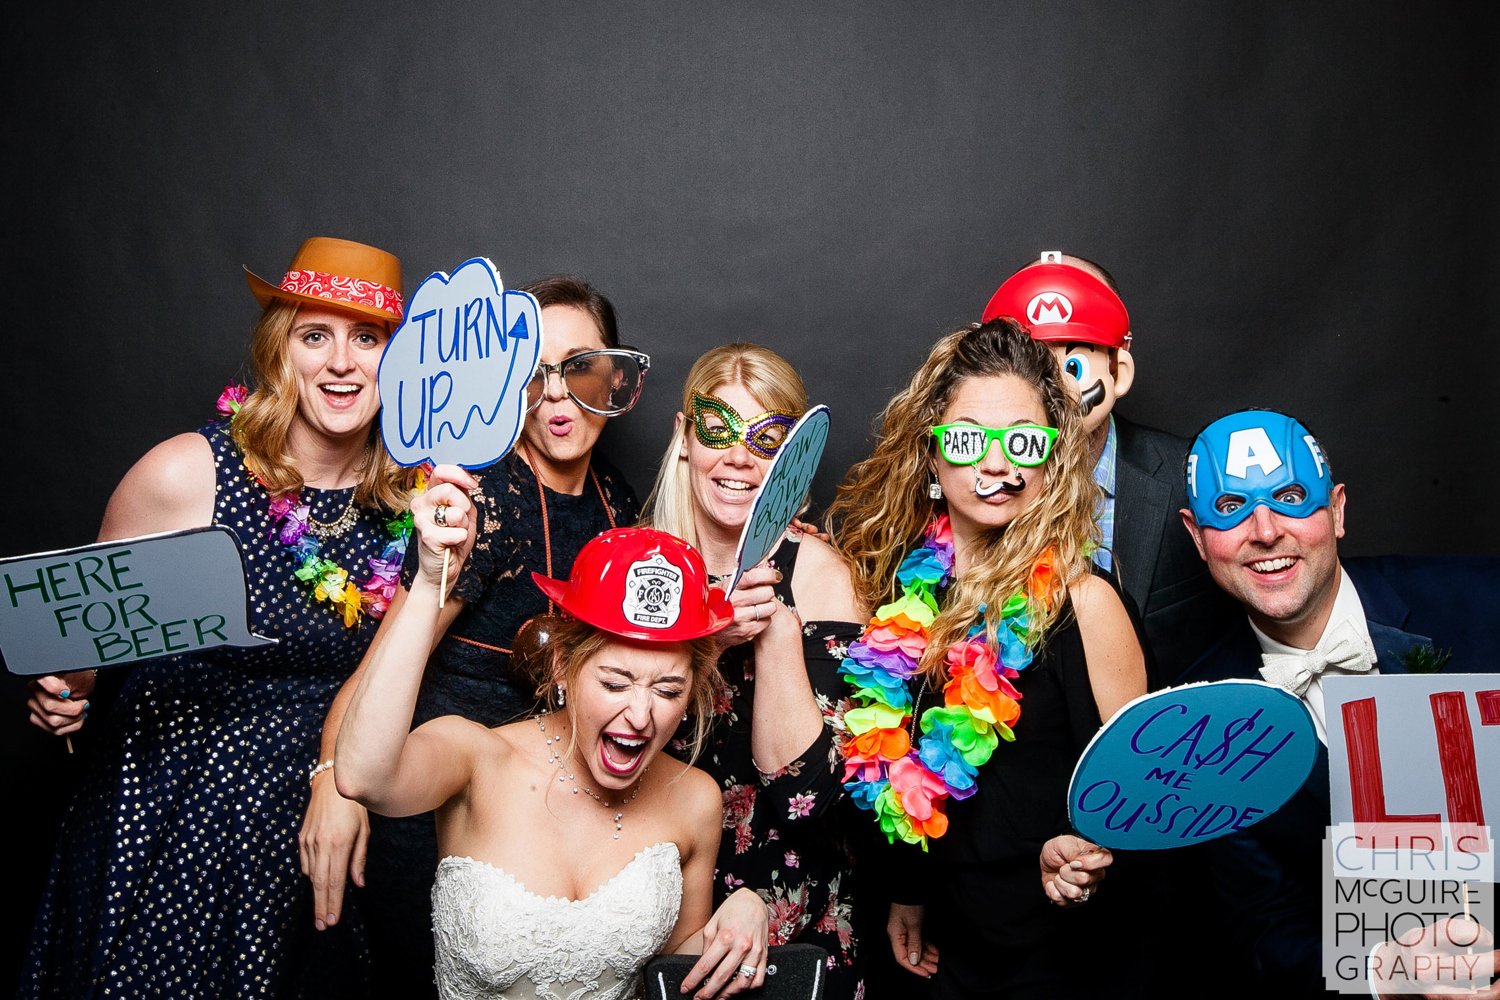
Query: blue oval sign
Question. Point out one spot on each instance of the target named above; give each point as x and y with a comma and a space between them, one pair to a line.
1189, 764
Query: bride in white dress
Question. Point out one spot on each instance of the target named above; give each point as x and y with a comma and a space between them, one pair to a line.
574, 850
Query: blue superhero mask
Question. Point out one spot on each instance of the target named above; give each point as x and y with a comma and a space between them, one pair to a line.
1251, 458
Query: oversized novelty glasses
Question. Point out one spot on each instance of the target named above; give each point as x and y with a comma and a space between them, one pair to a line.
719, 425
606, 382
1025, 445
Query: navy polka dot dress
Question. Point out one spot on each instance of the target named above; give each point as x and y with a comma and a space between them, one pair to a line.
176, 872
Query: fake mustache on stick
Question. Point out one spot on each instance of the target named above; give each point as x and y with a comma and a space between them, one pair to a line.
999, 486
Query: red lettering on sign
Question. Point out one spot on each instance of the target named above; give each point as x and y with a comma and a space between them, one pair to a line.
1366, 782
1455, 743
1489, 707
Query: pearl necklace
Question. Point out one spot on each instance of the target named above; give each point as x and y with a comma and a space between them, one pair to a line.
566, 776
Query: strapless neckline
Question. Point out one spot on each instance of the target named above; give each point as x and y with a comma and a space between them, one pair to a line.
498, 940
664, 845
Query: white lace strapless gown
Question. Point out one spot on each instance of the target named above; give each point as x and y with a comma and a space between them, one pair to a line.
495, 939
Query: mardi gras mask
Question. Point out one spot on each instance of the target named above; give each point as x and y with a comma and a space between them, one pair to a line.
1253, 458
719, 425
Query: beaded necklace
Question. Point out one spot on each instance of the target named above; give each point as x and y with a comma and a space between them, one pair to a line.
293, 526
565, 775
908, 787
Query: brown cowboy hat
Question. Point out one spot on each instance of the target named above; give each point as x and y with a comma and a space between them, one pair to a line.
341, 273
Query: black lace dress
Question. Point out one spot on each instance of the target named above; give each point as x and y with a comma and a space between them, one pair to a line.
469, 675
782, 832
176, 872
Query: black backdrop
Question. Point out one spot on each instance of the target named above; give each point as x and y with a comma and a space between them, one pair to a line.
1296, 199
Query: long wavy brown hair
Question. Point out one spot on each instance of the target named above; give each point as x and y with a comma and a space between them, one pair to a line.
883, 508
260, 428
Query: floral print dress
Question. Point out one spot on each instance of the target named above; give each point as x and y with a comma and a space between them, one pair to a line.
782, 834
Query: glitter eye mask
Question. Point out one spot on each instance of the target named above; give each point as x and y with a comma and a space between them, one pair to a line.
762, 434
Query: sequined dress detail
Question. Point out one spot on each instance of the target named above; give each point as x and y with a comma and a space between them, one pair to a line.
176, 871
496, 940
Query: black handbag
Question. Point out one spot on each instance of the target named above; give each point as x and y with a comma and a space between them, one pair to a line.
793, 972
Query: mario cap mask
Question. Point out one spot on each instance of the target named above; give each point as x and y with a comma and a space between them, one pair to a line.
1254, 458
1059, 302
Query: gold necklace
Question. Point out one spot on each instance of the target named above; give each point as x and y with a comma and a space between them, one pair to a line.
565, 776
324, 530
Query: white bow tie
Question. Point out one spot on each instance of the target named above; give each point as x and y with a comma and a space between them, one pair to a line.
1344, 648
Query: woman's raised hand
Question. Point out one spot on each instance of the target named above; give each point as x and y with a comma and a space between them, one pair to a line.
445, 521
754, 603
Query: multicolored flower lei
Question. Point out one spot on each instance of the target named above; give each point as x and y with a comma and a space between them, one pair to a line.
907, 788
330, 581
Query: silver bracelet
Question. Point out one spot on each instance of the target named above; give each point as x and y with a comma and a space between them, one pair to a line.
327, 765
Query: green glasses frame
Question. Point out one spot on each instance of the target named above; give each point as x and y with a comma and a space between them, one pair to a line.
1026, 445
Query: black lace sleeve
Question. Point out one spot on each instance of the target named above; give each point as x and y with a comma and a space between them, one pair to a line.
497, 554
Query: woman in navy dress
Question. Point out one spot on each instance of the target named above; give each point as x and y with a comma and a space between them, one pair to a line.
176, 871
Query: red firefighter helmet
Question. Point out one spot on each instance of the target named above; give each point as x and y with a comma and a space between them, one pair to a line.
641, 583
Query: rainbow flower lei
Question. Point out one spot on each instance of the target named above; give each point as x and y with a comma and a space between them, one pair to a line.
907, 788
330, 581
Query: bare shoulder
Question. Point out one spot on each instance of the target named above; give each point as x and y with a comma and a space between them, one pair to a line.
695, 795
1116, 665
1094, 599
820, 557
1103, 622
822, 585
458, 733
169, 489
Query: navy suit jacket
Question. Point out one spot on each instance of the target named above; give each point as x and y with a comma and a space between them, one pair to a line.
1155, 562
1270, 876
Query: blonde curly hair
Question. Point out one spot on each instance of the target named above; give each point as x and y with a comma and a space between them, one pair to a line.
883, 508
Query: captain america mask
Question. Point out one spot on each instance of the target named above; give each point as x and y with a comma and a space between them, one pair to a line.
1254, 458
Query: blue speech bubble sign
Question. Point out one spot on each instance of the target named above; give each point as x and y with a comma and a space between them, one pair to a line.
782, 490
453, 378
1190, 764
115, 603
